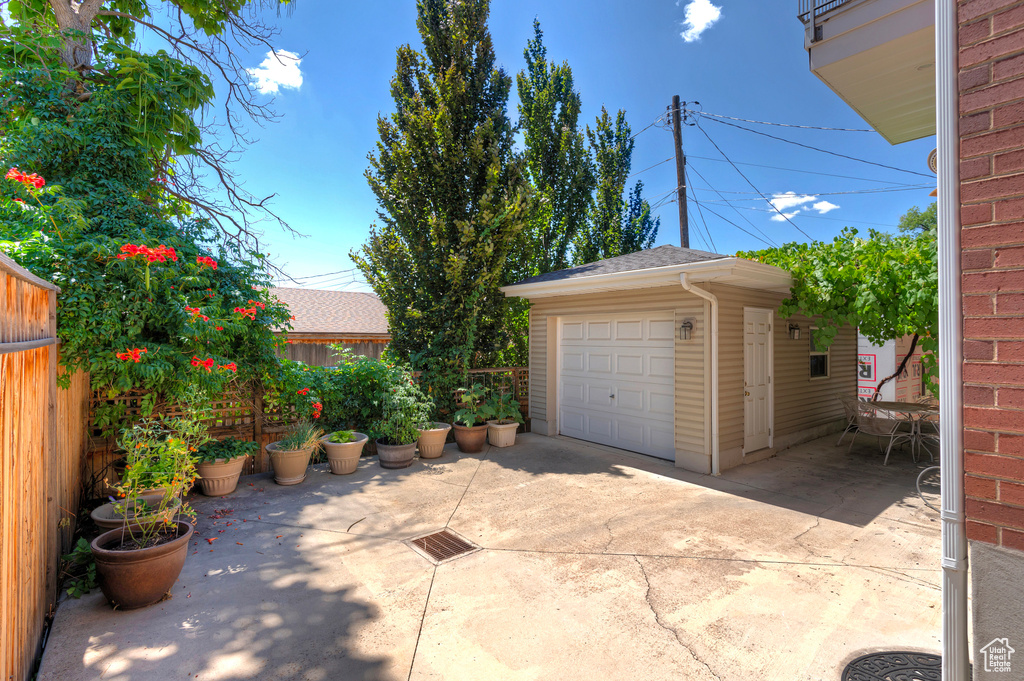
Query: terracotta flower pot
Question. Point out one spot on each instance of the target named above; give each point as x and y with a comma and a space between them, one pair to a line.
344, 456
502, 434
135, 579
470, 439
431, 442
108, 518
395, 456
289, 464
220, 477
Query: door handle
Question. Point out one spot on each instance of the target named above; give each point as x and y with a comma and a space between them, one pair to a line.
612, 396
746, 393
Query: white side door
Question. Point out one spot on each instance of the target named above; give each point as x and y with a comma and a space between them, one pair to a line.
617, 381
758, 410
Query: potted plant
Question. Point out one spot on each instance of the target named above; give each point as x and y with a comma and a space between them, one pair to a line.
470, 419
290, 455
403, 409
219, 464
433, 435
343, 447
501, 429
138, 563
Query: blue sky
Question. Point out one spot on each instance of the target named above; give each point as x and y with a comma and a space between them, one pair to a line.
748, 63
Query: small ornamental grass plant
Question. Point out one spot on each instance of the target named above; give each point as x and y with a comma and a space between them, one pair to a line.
160, 456
303, 435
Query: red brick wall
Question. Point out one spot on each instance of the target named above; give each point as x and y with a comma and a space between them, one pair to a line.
992, 215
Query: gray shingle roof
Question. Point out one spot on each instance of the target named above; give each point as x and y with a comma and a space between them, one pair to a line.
334, 312
661, 256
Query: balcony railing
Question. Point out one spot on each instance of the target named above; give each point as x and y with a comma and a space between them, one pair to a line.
812, 9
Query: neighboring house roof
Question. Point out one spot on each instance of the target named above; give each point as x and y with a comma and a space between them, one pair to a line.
653, 267
334, 312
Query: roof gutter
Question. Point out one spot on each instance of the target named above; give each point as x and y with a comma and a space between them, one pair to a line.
684, 279
955, 644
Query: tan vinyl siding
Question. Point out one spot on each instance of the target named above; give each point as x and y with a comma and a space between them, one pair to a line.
689, 355
538, 363
801, 403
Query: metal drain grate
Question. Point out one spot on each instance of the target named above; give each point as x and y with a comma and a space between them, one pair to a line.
442, 546
894, 666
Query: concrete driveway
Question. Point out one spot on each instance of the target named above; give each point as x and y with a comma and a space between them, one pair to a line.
595, 563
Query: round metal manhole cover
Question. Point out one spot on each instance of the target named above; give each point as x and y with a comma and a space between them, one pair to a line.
894, 666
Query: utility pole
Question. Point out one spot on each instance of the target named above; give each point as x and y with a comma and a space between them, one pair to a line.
677, 133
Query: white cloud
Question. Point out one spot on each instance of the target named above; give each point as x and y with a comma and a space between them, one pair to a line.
790, 200
781, 217
824, 206
700, 14
276, 72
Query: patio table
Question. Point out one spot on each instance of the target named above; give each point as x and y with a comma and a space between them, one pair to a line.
912, 413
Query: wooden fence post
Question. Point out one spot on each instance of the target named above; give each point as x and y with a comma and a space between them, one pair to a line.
258, 464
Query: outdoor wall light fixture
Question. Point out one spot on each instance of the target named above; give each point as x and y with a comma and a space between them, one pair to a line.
794, 331
686, 330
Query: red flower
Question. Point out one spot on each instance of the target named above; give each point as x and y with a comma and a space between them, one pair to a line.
250, 312
32, 180
204, 363
161, 253
209, 262
230, 366
131, 354
317, 407
220, 328
303, 391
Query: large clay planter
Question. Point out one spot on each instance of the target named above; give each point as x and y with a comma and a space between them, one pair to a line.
344, 456
395, 456
108, 519
470, 439
289, 465
135, 579
431, 442
501, 434
220, 477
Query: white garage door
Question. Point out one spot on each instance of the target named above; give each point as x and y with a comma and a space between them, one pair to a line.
616, 382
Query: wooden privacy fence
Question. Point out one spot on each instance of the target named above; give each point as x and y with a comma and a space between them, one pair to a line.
41, 449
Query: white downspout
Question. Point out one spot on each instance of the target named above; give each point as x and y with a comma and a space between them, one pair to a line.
711, 298
955, 646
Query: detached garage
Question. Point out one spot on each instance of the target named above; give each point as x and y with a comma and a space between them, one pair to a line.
680, 354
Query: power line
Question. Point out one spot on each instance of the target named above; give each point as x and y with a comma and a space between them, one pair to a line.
796, 170
733, 224
714, 248
736, 168
784, 125
817, 194
813, 148
659, 163
733, 207
651, 125
803, 215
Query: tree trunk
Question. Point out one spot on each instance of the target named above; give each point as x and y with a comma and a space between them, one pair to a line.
899, 370
76, 18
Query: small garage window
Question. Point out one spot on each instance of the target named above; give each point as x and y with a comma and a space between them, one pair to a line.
819, 358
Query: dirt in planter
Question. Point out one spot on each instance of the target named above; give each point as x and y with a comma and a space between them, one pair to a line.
129, 544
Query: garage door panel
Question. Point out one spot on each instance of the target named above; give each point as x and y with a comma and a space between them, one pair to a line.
629, 364
599, 362
572, 331
631, 330
629, 356
663, 330
599, 331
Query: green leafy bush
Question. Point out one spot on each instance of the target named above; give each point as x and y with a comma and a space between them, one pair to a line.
227, 449
504, 409
342, 436
472, 407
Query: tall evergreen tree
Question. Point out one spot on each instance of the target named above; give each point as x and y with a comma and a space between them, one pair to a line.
557, 160
616, 226
452, 193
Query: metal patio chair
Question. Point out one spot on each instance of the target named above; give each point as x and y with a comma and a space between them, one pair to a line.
849, 403
928, 433
883, 424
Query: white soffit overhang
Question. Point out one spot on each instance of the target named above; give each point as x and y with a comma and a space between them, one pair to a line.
731, 271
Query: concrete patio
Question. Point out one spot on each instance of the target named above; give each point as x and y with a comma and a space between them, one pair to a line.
595, 563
